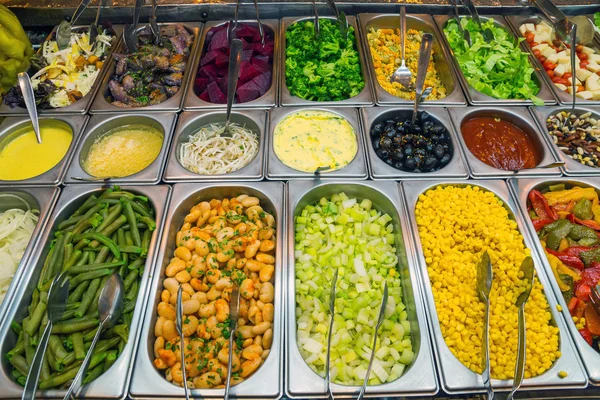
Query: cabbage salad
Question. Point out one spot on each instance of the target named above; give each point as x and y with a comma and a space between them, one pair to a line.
355, 238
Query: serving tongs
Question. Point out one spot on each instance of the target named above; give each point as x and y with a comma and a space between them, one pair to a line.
234, 310
328, 390
595, 299
261, 30
154, 28
380, 319
233, 23
527, 269
130, 30
179, 326
484, 287
341, 19
56, 303
465, 33
29, 99
316, 18
235, 59
563, 25
487, 34
402, 75
94, 25
424, 54
63, 32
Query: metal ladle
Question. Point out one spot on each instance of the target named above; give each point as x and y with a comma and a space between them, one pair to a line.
380, 319
29, 98
57, 300
63, 32
424, 54
110, 305
484, 287
328, 390
179, 326
234, 310
402, 75
527, 269
235, 58
130, 30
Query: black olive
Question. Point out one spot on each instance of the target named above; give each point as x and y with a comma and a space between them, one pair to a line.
376, 144
437, 129
416, 129
424, 116
439, 151
429, 147
435, 138
377, 129
420, 152
386, 142
429, 163
410, 164
427, 125
408, 150
398, 156
390, 122
409, 138
389, 161
399, 165
445, 160
421, 143
400, 128
382, 153
397, 140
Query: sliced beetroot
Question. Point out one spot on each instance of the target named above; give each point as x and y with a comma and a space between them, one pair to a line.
263, 82
247, 72
215, 94
245, 30
219, 40
261, 66
200, 84
209, 56
247, 55
222, 62
204, 95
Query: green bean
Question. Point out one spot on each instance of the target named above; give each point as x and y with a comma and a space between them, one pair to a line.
68, 252
69, 222
102, 255
85, 206
35, 298
35, 319
133, 291
140, 225
128, 238
72, 259
77, 338
121, 330
105, 240
128, 306
89, 222
78, 293
142, 209
45, 372
29, 349
91, 267
146, 237
87, 298
130, 249
57, 258
120, 195
89, 336
113, 213
90, 275
69, 314
131, 277
94, 373
57, 348
15, 326
68, 238
60, 379
136, 264
45, 274
20, 364
82, 244
116, 224
83, 260
52, 363
17, 350
111, 357
74, 325
121, 346
135, 233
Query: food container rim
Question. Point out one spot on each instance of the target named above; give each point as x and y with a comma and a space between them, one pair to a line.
192, 102
301, 381
455, 377
261, 383
149, 175
114, 382
380, 170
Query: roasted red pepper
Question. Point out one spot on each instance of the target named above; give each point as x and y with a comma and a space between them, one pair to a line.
587, 335
541, 207
538, 224
582, 292
572, 304
576, 250
588, 222
568, 259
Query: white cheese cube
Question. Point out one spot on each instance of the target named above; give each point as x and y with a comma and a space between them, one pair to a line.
561, 86
541, 47
549, 51
523, 29
553, 58
560, 70
582, 74
577, 81
596, 94
588, 50
594, 57
530, 27
586, 95
592, 83
593, 67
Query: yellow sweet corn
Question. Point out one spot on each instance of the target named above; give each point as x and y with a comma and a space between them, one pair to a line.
456, 225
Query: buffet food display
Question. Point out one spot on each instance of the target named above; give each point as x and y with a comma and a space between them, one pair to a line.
397, 211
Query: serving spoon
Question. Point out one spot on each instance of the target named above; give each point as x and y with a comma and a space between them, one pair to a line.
424, 54
29, 98
235, 58
328, 390
129, 31
57, 301
380, 319
110, 305
63, 32
487, 34
179, 326
554, 164
484, 287
233, 321
527, 269
402, 75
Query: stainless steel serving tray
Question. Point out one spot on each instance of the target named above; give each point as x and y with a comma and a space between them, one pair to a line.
364, 98
455, 377
419, 378
54, 176
82, 105
518, 116
113, 383
267, 381
441, 58
101, 105
356, 169
100, 124
190, 122
456, 168
269, 99
515, 21
520, 189
36, 198
571, 167
477, 98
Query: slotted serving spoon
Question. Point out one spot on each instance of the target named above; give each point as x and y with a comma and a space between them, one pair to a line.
484, 287
94, 25
234, 310
527, 269
129, 31
328, 390
179, 326
424, 54
487, 34
380, 319
63, 32
402, 75
29, 98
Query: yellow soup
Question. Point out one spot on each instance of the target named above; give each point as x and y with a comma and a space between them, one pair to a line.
22, 157
307, 140
123, 151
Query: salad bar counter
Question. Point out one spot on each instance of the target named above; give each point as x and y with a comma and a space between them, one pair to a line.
300, 201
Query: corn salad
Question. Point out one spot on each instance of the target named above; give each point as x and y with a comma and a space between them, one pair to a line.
386, 53
456, 226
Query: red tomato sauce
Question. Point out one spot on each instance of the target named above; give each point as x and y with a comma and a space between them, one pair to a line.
499, 143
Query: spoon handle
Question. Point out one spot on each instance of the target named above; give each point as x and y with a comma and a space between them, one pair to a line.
487, 383
333, 6
36, 365
235, 58
261, 30
551, 12
80, 9
520, 366
29, 97
573, 70
473, 12
76, 384
316, 15
137, 12
403, 31
424, 54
